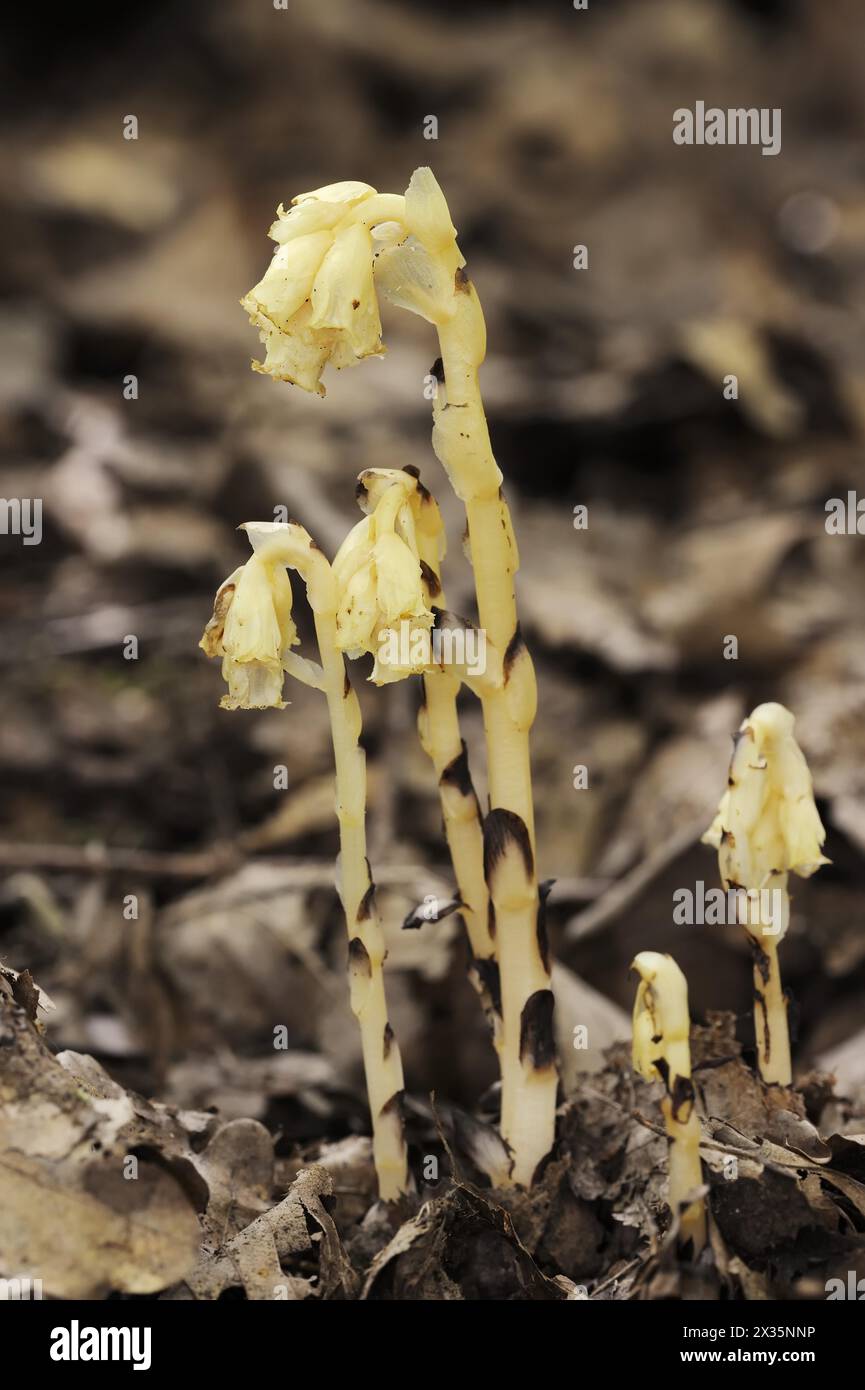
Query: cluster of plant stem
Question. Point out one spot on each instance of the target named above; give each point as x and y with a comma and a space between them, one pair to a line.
766, 828
340, 250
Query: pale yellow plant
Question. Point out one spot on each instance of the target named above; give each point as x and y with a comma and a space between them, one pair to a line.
766, 828
421, 524
662, 1050
247, 627
380, 580
415, 263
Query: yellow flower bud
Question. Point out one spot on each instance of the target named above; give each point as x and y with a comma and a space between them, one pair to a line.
252, 629
380, 582
661, 1020
662, 1049
337, 248
767, 823
316, 302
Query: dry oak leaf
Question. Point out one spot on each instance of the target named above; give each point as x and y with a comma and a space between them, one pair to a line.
88, 1232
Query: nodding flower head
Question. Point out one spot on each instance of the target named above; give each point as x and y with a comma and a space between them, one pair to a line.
767, 823
380, 579
251, 630
337, 248
316, 302
661, 1019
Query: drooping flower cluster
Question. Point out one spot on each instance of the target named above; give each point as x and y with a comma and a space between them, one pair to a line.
767, 823
338, 247
316, 301
253, 631
381, 581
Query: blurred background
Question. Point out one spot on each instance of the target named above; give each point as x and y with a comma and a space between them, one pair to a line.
173, 903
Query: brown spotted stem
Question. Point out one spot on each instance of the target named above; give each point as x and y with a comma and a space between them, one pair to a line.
293, 547
461, 441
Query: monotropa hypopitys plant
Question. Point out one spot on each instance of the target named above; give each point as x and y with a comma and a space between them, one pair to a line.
767, 827
251, 630
340, 249
662, 1050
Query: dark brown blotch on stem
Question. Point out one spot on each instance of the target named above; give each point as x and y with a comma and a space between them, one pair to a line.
487, 970
503, 829
358, 957
393, 1106
461, 281
514, 648
367, 903
387, 1041
762, 1013
457, 773
537, 1043
544, 890
682, 1098
760, 958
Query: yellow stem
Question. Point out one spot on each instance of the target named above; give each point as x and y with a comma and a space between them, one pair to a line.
461, 441
381, 1055
686, 1175
770, 1014
439, 731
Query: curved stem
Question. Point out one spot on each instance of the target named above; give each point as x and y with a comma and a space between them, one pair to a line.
441, 739
461, 441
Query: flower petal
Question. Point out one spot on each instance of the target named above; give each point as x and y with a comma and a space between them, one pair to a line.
251, 685
288, 280
409, 277
304, 219
298, 356
426, 212
211, 640
349, 192
343, 295
357, 615
398, 580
